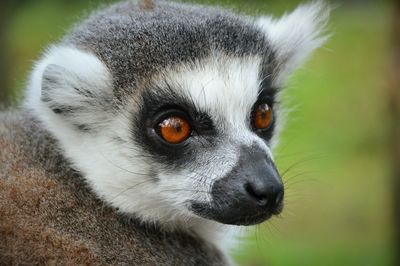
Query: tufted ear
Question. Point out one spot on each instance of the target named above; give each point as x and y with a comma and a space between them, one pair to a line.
294, 37
73, 86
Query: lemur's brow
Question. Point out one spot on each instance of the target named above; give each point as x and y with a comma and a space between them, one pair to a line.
161, 98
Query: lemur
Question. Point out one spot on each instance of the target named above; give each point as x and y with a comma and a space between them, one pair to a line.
146, 135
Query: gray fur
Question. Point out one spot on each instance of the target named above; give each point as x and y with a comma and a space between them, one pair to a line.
135, 43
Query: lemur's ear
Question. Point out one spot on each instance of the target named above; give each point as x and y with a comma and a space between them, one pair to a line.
294, 37
74, 86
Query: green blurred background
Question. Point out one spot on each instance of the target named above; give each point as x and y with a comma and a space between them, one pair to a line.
334, 152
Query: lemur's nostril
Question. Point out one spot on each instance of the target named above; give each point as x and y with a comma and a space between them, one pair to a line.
266, 195
260, 195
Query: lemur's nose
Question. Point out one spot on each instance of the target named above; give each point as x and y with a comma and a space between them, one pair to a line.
250, 193
267, 195
261, 185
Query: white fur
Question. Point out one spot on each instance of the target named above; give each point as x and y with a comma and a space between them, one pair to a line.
81, 67
295, 36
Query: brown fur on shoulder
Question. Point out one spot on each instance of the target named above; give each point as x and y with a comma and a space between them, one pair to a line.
49, 216
147, 4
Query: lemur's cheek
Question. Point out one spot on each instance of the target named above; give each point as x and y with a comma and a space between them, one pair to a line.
250, 194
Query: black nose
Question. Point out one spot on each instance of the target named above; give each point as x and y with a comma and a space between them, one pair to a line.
265, 194
262, 184
251, 193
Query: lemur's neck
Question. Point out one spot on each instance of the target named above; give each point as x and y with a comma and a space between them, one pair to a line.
223, 236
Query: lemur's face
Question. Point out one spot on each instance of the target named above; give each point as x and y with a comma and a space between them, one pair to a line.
171, 113
206, 131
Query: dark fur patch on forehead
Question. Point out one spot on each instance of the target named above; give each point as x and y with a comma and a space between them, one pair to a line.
135, 43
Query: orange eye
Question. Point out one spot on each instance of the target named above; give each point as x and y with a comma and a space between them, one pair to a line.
175, 129
263, 116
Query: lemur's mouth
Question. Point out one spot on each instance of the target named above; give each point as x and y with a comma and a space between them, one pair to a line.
235, 215
251, 193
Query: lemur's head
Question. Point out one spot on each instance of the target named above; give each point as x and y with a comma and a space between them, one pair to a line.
170, 111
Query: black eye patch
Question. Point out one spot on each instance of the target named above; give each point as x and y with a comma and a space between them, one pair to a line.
267, 95
155, 103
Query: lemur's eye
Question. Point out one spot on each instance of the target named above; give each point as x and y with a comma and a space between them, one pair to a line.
263, 116
175, 129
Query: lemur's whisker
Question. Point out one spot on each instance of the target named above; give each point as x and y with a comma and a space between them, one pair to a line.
130, 188
304, 161
293, 178
124, 169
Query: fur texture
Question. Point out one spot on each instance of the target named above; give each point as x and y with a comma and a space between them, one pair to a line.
49, 216
98, 93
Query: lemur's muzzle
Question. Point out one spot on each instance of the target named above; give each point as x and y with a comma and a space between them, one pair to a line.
251, 193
